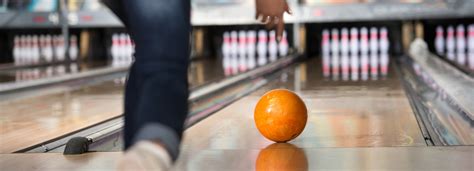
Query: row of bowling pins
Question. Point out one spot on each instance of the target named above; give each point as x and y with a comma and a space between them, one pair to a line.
36, 73
454, 44
240, 48
31, 49
122, 47
353, 66
359, 55
337, 42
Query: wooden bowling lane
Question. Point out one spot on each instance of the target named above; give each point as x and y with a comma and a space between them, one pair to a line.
273, 157
372, 113
47, 71
29, 121
41, 116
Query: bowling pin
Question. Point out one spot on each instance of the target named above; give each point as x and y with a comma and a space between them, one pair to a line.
344, 42
123, 46
439, 40
73, 49
242, 51
460, 45
272, 47
16, 49
364, 41
470, 38
251, 43
383, 41
114, 49
335, 42
35, 51
226, 44
262, 47
374, 43
471, 46
345, 53
28, 49
283, 45
325, 47
48, 50
354, 42
60, 51
128, 48
450, 44
234, 44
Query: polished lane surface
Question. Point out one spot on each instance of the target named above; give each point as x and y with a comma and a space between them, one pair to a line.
42, 72
37, 118
360, 117
348, 114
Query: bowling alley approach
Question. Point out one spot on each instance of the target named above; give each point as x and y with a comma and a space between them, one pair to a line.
270, 85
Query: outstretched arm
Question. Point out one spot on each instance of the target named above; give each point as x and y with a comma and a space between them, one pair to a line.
270, 12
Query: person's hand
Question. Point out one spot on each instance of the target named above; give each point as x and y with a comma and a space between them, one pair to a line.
270, 12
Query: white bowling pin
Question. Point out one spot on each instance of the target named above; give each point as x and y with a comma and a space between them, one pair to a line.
470, 38
471, 46
35, 51
335, 42
283, 45
373, 43
373, 51
242, 51
450, 44
461, 45
251, 43
60, 51
354, 41
114, 51
364, 41
123, 46
439, 40
48, 50
383, 41
73, 49
344, 42
16, 50
234, 44
29, 49
226, 44
129, 48
272, 47
325, 47
262, 47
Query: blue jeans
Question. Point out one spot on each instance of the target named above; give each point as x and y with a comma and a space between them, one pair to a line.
156, 94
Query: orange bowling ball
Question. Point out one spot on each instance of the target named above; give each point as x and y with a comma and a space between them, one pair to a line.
280, 115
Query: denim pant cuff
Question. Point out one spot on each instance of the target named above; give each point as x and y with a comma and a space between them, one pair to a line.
166, 136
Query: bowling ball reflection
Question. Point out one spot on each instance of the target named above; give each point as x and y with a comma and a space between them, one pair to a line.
281, 156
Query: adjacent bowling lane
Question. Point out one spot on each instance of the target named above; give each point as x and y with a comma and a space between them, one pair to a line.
41, 116
48, 71
371, 113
